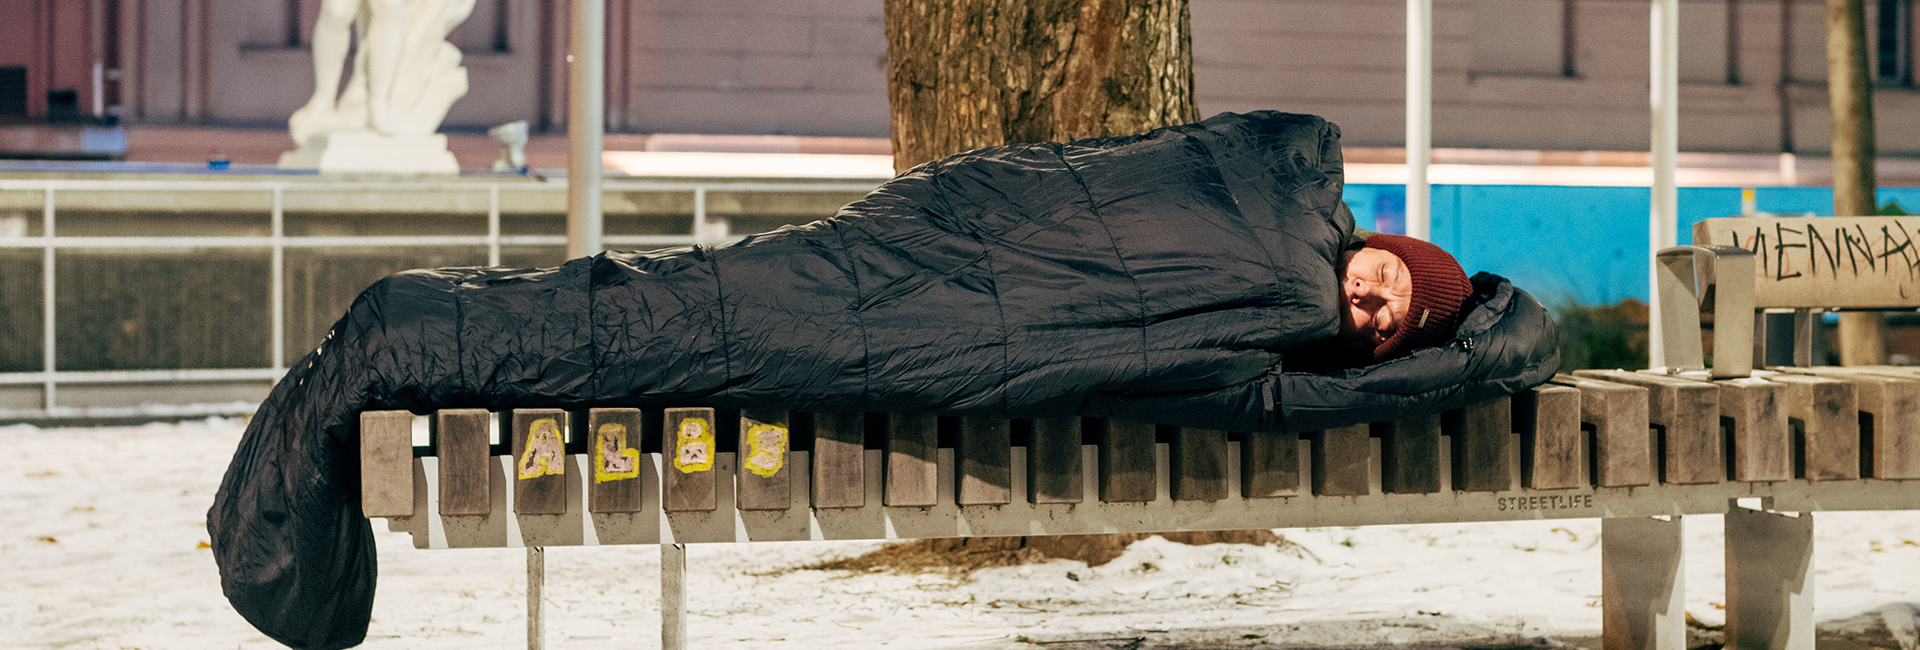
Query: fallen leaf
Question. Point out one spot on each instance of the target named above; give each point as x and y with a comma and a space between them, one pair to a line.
203, 545
49, 539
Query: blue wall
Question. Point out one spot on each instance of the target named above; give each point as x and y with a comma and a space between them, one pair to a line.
1587, 244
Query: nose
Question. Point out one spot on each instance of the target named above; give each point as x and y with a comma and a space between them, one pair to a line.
1358, 288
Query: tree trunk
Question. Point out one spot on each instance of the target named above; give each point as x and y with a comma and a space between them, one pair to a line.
966, 74
1850, 89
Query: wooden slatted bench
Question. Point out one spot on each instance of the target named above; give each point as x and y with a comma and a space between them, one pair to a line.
1640, 449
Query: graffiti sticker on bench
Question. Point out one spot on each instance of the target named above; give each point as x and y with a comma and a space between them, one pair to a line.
544, 454
613, 459
766, 449
693, 444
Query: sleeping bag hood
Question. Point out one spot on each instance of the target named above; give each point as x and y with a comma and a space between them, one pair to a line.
1161, 277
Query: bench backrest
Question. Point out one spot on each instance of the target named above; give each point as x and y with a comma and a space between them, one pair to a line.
1825, 262
1799, 263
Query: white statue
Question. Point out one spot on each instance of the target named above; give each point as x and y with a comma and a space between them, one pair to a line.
405, 77
512, 137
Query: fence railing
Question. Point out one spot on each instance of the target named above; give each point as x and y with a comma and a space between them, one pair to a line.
51, 243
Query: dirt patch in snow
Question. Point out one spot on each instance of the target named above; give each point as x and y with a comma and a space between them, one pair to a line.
965, 555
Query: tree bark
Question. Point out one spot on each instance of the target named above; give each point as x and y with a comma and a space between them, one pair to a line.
1850, 89
966, 74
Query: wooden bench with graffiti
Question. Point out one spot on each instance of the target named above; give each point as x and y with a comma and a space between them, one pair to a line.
1641, 449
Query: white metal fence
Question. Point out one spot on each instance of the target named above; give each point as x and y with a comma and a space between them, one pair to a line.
50, 377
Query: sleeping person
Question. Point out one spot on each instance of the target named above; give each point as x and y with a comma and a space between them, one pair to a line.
1204, 275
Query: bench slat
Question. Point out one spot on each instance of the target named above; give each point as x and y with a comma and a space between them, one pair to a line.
1269, 465
1127, 462
912, 470
1622, 446
1552, 445
386, 463
985, 462
689, 440
460, 443
1410, 455
1889, 400
1053, 461
539, 461
1896, 428
1341, 461
1829, 413
763, 480
614, 458
1482, 435
839, 469
1687, 414
1755, 413
1198, 459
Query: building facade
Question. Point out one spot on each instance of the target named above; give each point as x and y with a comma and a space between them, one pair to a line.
1508, 74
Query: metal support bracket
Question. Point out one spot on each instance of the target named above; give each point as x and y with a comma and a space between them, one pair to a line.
1643, 589
1689, 284
1769, 580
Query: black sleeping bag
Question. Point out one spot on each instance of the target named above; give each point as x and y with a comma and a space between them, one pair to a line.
1160, 277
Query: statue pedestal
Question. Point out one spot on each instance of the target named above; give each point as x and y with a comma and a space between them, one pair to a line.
370, 152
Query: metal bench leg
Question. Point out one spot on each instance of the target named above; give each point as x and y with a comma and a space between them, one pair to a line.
673, 596
1642, 592
536, 605
1769, 580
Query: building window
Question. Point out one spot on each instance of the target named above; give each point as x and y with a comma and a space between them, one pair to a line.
1893, 42
1804, 30
13, 91
273, 25
484, 30
1709, 42
1524, 37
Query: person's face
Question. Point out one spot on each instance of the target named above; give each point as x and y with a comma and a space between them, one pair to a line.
1377, 291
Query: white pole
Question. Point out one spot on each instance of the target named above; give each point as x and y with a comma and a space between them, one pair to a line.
279, 279
536, 598
673, 596
1419, 117
585, 121
1664, 99
49, 319
493, 224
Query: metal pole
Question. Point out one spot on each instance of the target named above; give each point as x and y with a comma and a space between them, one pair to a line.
1419, 117
673, 596
536, 610
279, 291
585, 120
1663, 221
493, 225
700, 215
47, 316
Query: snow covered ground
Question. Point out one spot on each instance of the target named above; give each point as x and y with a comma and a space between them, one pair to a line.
103, 545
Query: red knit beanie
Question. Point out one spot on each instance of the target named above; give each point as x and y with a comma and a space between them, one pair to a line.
1440, 288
